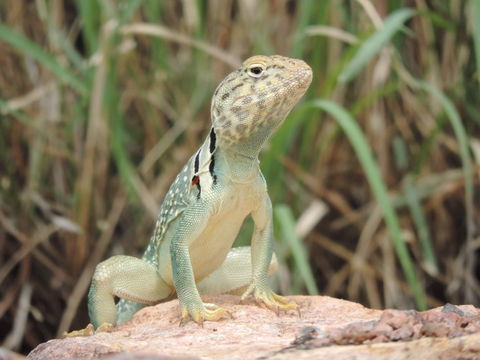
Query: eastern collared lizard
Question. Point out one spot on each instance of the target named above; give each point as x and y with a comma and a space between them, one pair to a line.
190, 250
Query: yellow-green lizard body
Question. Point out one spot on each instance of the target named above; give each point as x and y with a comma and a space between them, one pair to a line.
190, 252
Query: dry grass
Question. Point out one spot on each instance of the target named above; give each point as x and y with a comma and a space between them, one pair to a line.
100, 106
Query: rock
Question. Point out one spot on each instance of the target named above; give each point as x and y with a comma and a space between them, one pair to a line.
329, 327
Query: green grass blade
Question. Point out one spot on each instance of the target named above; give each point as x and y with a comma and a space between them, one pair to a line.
128, 10
475, 16
413, 201
393, 23
5, 110
286, 221
365, 156
29, 48
462, 139
89, 15
305, 11
281, 144
71, 52
59, 40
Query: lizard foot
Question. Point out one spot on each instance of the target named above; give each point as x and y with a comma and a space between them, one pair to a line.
274, 302
89, 330
210, 312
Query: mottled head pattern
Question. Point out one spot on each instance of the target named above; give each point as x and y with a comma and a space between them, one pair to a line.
252, 101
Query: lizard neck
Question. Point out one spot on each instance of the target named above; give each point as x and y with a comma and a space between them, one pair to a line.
239, 167
250, 143
239, 164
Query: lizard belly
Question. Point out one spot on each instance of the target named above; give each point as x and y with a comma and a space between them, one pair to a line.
210, 249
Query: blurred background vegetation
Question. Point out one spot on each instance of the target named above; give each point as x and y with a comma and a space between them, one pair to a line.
374, 177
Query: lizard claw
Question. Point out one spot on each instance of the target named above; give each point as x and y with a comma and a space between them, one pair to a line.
89, 330
210, 312
105, 327
274, 302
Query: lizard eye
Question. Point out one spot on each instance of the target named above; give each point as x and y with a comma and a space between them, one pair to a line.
255, 70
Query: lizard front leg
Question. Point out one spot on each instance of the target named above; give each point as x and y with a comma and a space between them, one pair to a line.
190, 225
262, 250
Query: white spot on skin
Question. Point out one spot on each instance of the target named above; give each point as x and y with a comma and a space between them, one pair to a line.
185, 178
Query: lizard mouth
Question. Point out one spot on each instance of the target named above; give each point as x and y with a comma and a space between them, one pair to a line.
302, 79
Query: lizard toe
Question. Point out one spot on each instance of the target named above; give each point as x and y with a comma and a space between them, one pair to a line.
87, 331
275, 302
105, 327
209, 312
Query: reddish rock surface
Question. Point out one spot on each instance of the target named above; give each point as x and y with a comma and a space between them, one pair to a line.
328, 327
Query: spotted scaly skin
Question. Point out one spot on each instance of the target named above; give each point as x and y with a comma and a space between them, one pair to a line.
190, 252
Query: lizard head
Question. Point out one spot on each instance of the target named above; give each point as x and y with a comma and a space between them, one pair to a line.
251, 102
